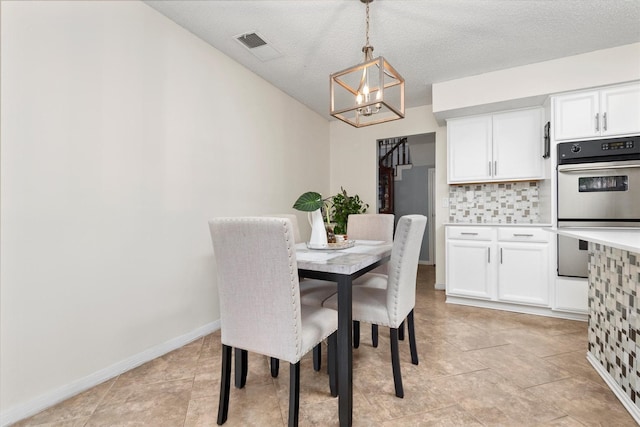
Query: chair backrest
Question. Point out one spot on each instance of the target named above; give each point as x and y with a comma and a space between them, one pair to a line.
403, 267
371, 227
258, 285
294, 222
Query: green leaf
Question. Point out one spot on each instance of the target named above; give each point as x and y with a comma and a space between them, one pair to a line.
309, 202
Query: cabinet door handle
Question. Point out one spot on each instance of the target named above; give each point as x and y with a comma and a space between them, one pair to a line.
597, 121
489, 168
469, 234
500, 255
522, 235
604, 121
495, 167
488, 255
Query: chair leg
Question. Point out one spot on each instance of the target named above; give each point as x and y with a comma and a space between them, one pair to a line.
317, 357
374, 335
401, 331
356, 334
412, 338
395, 363
275, 367
225, 384
332, 361
294, 394
241, 367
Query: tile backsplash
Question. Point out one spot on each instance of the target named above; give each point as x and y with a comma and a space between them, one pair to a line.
614, 316
495, 203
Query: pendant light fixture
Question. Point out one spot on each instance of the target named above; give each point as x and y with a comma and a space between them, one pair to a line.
368, 93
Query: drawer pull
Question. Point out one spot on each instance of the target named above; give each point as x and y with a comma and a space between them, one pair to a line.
488, 255
469, 234
522, 235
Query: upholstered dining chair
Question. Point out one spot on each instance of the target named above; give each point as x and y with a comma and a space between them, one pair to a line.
260, 309
370, 227
391, 304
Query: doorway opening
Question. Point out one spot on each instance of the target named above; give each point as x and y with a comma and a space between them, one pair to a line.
406, 182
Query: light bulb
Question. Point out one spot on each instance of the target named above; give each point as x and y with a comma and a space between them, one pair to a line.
359, 98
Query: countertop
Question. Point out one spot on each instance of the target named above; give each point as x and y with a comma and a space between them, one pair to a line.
495, 224
627, 239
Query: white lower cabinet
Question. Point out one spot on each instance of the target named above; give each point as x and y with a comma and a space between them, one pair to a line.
501, 264
469, 271
523, 273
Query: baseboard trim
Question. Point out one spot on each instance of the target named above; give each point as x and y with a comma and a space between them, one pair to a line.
439, 287
56, 396
517, 308
626, 401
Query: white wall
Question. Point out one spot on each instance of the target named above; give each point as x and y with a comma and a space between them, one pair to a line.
121, 135
423, 149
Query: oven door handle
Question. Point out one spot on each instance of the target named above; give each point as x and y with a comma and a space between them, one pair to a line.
598, 166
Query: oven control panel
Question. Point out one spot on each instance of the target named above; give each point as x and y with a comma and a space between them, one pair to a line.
599, 150
618, 145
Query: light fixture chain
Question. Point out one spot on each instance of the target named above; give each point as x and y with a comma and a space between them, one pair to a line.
367, 26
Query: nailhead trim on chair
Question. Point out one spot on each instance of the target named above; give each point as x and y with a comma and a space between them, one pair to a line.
293, 279
397, 272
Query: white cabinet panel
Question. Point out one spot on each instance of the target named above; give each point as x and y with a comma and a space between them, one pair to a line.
576, 115
597, 113
471, 233
469, 268
621, 110
523, 272
523, 234
517, 145
499, 147
501, 264
572, 294
469, 149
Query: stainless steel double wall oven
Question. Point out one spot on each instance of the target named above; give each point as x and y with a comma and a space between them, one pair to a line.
598, 186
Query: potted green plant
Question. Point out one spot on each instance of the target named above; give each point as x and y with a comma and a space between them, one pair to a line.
343, 205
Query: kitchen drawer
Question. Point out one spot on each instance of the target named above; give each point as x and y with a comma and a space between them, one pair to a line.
522, 234
470, 233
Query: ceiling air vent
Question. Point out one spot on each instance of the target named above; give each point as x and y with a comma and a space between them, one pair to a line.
258, 46
251, 40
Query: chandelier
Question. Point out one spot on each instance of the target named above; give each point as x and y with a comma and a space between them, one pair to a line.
369, 93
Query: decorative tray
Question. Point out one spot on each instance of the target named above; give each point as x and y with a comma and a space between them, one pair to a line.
332, 246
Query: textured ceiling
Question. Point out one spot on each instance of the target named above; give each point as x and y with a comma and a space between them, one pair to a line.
427, 41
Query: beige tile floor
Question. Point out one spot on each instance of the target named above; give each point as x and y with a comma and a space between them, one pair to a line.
478, 367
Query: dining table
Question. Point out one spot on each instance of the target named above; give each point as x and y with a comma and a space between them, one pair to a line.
342, 264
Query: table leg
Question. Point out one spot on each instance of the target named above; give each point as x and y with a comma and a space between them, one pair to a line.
345, 352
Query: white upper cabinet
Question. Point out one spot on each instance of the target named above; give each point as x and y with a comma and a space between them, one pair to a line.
469, 149
517, 145
620, 109
498, 147
597, 113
